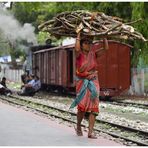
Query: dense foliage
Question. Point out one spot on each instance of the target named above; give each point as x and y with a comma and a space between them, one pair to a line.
38, 12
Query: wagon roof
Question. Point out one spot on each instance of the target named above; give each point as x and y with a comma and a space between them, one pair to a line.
40, 47
55, 48
113, 41
72, 46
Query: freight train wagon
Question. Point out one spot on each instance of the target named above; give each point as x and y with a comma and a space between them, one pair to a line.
56, 68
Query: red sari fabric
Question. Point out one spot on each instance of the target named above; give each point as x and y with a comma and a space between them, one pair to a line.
87, 63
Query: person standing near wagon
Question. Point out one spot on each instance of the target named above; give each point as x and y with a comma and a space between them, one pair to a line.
87, 84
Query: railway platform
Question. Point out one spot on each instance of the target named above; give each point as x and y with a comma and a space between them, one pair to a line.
23, 128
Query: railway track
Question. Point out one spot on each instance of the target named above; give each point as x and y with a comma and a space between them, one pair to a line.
129, 134
111, 101
125, 103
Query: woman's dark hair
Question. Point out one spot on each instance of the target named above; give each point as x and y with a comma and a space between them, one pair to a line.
86, 38
81, 42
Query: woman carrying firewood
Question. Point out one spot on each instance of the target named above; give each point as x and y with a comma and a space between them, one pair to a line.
87, 84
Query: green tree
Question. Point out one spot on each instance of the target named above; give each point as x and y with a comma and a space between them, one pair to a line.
38, 12
33, 12
139, 10
4, 46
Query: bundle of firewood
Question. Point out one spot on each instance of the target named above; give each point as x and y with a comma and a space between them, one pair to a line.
93, 24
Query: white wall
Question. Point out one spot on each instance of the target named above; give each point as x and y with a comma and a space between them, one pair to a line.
11, 74
139, 81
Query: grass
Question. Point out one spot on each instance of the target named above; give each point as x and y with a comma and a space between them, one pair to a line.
14, 85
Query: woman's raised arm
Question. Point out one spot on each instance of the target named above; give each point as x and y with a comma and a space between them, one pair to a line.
105, 47
77, 45
78, 39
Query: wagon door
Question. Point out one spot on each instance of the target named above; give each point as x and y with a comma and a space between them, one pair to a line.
57, 68
70, 69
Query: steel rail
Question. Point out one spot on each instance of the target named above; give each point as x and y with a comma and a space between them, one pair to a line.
65, 119
111, 101
97, 120
134, 104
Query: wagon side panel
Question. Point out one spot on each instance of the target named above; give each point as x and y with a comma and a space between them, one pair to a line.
124, 67
101, 66
112, 66
64, 68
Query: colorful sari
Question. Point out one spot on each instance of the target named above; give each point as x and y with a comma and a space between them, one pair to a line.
87, 85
